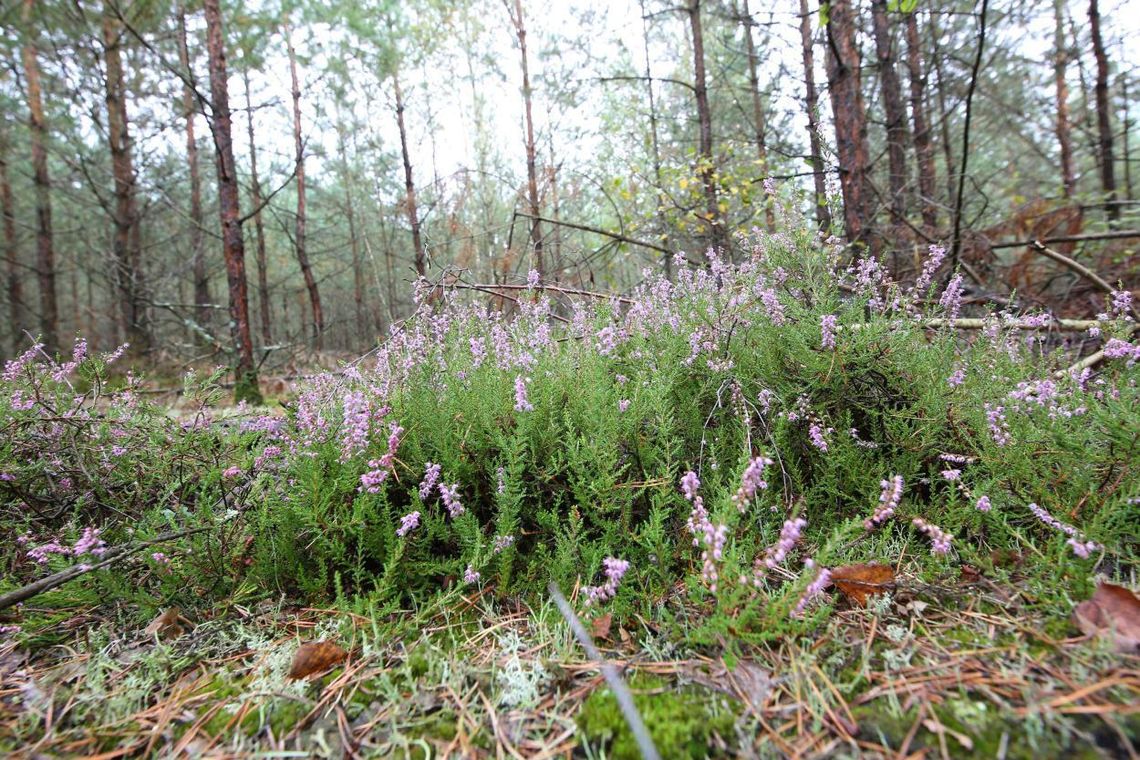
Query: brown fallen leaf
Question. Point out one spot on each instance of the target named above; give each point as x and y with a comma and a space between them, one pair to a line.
857, 582
168, 625
748, 681
316, 657
600, 627
1113, 611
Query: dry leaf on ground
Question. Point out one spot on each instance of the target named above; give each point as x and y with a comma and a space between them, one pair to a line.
1113, 611
316, 657
167, 625
600, 627
748, 681
857, 582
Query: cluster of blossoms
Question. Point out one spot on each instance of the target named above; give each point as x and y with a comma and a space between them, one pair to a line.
751, 482
711, 537
776, 553
939, 539
502, 543
828, 324
89, 543
431, 478
408, 523
1080, 546
951, 299
382, 467
888, 502
952, 475
983, 504
999, 428
450, 496
356, 425
957, 377
929, 267
1116, 348
818, 436
471, 575
814, 589
521, 402
615, 569
1122, 304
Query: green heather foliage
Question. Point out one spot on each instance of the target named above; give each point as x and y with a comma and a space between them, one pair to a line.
475, 447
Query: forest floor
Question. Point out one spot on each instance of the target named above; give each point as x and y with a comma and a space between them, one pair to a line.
983, 663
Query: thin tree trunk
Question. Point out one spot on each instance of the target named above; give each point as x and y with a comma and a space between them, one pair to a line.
299, 235
655, 147
811, 105
1085, 123
959, 196
263, 303
758, 120
1126, 126
943, 111
45, 247
11, 249
1103, 116
895, 112
233, 247
409, 181
718, 237
199, 272
354, 243
531, 159
850, 121
923, 147
125, 241
1064, 133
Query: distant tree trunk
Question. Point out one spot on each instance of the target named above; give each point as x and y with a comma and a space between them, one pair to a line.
199, 272
959, 196
125, 242
45, 247
850, 121
655, 148
409, 181
233, 247
535, 210
923, 146
1064, 134
943, 111
1126, 126
362, 321
1103, 116
263, 303
299, 241
811, 105
718, 235
758, 119
11, 249
895, 112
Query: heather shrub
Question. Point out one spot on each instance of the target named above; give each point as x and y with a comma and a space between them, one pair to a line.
729, 435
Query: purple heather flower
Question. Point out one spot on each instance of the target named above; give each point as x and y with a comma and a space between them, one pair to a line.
939, 539
827, 327
952, 475
501, 476
521, 402
888, 502
1121, 303
1115, 348
408, 523
957, 378
951, 299
478, 351
778, 552
814, 589
623, 405
89, 543
929, 267
160, 558
816, 433
999, 429
502, 543
983, 504
450, 496
357, 420
615, 569
1083, 548
470, 575
431, 477
231, 472
751, 482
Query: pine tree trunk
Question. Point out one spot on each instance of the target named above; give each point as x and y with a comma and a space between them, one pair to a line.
1064, 133
758, 119
943, 112
11, 250
45, 246
233, 247
125, 240
535, 209
362, 321
895, 113
409, 182
655, 148
811, 105
923, 145
1103, 116
850, 121
265, 307
299, 234
199, 272
718, 237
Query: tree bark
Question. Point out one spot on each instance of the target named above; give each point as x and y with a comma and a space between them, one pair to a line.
718, 237
1103, 116
531, 159
758, 120
125, 242
1064, 132
923, 145
233, 247
11, 249
943, 111
959, 198
263, 303
850, 121
362, 321
199, 273
895, 113
811, 105
655, 148
45, 246
1125, 128
299, 234
409, 181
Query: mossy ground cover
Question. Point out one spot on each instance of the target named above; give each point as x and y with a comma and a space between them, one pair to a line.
696, 466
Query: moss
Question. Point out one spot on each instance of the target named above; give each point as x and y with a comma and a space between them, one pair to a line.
682, 722
246, 389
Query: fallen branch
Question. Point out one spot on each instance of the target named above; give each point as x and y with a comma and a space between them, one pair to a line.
1080, 269
552, 288
111, 556
1089, 361
1114, 235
